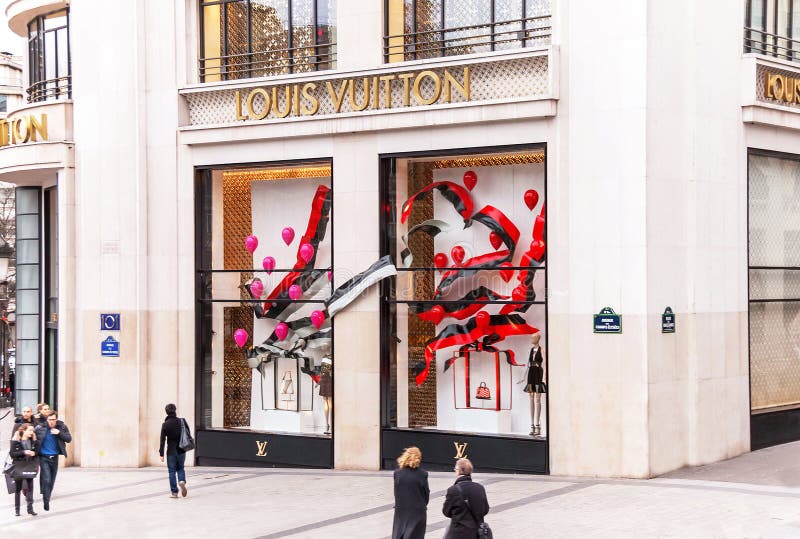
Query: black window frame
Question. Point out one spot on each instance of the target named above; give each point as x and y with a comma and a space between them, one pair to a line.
41, 88
768, 38
325, 50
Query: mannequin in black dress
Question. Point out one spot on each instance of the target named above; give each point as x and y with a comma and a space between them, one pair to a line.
534, 383
326, 386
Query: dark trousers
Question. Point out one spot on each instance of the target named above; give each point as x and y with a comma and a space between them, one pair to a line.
27, 484
48, 468
175, 466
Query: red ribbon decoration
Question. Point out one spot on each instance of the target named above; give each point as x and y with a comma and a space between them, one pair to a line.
454, 193
500, 326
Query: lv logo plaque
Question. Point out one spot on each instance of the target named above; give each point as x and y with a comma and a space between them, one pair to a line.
261, 449
461, 450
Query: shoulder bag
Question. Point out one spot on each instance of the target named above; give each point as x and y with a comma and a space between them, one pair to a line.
187, 442
484, 531
25, 469
8, 466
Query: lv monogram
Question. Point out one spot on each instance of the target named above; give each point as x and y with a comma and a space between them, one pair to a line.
460, 450
262, 449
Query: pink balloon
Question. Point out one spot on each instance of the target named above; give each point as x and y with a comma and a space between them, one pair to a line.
251, 243
268, 263
281, 330
240, 336
295, 292
317, 319
288, 235
306, 252
256, 288
330, 276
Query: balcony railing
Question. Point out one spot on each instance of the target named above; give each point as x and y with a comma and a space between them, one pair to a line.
268, 63
761, 42
490, 36
50, 89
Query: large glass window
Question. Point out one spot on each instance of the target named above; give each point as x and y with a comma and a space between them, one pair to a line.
26, 383
48, 57
417, 29
772, 27
465, 342
262, 38
264, 270
774, 252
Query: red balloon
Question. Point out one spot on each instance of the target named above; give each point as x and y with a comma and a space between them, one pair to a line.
482, 319
495, 240
470, 179
531, 198
440, 260
507, 273
518, 293
457, 253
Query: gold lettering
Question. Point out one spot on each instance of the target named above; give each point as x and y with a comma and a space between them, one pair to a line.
312, 110
460, 450
797, 90
251, 112
238, 101
776, 87
437, 88
463, 89
351, 85
406, 96
38, 126
387, 90
261, 448
296, 99
287, 99
375, 96
16, 135
336, 96
3, 133
788, 91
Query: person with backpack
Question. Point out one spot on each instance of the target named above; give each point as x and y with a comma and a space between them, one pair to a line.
171, 431
465, 505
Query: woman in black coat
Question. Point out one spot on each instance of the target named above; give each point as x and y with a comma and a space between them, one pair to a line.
24, 446
411, 494
465, 504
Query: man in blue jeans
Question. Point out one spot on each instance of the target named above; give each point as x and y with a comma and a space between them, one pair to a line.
55, 436
171, 432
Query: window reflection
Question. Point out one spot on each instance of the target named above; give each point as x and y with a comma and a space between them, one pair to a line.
48, 57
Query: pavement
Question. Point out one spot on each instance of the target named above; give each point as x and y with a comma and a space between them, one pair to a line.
755, 495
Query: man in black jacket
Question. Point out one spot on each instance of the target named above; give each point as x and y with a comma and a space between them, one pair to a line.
171, 432
26, 417
465, 504
53, 439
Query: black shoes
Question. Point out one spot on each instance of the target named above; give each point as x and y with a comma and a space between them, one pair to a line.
46, 506
16, 511
31, 511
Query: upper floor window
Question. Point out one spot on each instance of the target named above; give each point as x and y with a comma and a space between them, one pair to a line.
417, 29
260, 38
49, 70
772, 27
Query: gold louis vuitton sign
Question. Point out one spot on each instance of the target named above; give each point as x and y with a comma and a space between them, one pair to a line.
376, 92
461, 450
261, 448
781, 88
21, 129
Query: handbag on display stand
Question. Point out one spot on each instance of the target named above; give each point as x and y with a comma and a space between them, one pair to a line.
287, 386
483, 392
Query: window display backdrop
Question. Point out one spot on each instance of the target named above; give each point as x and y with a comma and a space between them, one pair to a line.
464, 337
274, 348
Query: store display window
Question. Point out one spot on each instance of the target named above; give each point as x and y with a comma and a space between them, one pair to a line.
465, 320
264, 267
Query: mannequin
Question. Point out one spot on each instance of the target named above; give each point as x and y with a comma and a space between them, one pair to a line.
534, 383
326, 386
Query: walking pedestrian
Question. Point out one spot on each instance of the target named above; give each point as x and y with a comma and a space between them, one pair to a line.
53, 439
24, 450
171, 432
26, 417
411, 495
42, 411
465, 504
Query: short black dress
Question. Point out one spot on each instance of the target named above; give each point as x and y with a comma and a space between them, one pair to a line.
535, 382
326, 379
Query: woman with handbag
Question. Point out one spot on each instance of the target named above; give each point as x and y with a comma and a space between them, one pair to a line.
411, 495
24, 451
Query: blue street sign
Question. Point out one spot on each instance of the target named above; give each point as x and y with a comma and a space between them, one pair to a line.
109, 322
607, 321
109, 347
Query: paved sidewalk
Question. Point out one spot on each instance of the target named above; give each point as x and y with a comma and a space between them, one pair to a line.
729, 499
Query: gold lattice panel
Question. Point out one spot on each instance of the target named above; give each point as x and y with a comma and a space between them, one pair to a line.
761, 72
518, 78
237, 376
